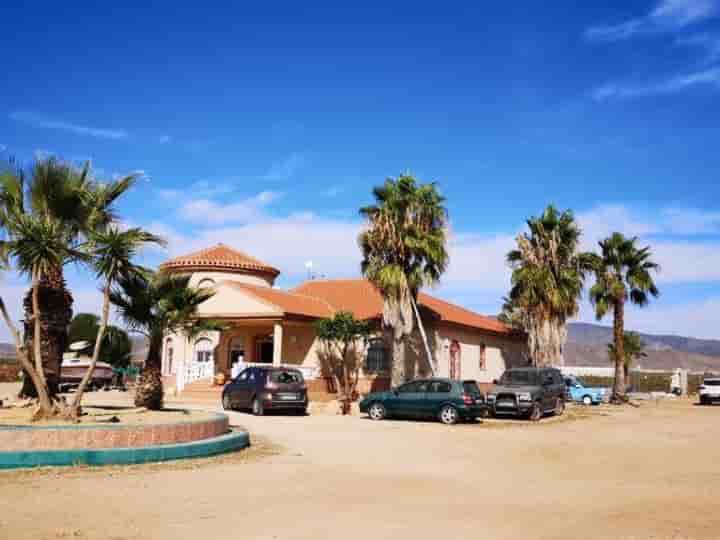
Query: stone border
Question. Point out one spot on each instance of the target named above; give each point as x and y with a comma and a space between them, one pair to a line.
88, 437
228, 442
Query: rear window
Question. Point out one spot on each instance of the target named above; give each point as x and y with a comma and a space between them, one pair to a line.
471, 387
286, 377
519, 378
712, 382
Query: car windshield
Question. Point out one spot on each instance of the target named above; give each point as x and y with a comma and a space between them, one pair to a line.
519, 378
286, 377
712, 382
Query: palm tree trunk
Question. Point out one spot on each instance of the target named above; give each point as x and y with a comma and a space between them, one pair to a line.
55, 303
74, 410
149, 387
421, 327
398, 361
46, 404
618, 332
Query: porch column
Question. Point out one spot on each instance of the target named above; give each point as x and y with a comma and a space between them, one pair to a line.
277, 343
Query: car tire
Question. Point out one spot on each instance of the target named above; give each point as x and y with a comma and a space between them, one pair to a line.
377, 411
587, 400
449, 415
559, 407
226, 403
536, 413
257, 407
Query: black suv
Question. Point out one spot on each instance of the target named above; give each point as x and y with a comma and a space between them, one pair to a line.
528, 392
261, 389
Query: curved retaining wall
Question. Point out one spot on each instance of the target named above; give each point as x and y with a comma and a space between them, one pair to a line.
23, 438
228, 442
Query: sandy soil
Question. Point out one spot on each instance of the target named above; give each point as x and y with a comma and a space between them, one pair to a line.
650, 472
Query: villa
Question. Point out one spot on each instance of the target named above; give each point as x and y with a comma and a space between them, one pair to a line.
267, 325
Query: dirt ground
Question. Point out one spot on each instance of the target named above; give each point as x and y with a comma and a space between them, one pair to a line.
650, 472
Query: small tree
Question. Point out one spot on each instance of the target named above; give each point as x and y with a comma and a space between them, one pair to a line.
342, 335
112, 252
633, 348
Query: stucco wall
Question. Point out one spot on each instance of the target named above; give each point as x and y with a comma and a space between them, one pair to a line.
500, 353
231, 302
217, 277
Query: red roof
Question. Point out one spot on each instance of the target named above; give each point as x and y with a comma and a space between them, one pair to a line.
360, 297
219, 258
290, 303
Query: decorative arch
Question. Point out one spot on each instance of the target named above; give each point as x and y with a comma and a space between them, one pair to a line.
206, 282
169, 357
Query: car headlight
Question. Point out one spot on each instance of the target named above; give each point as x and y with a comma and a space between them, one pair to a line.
491, 397
524, 396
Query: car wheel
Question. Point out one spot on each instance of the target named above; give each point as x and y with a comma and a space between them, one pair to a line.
227, 405
257, 407
587, 400
535, 413
377, 411
449, 415
559, 407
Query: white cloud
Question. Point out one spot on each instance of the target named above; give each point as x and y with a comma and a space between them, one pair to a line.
208, 212
39, 121
709, 77
285, 168
668, 15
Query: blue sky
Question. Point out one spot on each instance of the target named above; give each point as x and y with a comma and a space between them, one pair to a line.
266, 127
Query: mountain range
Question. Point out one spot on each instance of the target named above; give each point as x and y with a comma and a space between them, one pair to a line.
586, 346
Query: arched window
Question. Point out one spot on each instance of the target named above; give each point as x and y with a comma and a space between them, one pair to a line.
377, 359
203, 350
206, 282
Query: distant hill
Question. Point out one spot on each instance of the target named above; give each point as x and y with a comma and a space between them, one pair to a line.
7, 350
587, 346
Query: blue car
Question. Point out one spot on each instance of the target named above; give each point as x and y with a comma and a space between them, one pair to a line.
577, 391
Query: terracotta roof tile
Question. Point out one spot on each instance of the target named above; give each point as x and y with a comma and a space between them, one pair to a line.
361, 298
219, 257
290, 303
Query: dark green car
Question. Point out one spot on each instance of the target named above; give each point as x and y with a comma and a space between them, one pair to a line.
445, 399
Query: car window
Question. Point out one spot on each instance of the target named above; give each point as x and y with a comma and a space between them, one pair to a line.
471, 387
286, 376
252, 376
712, 382
440, 387
415, 386
243, 375
519, 378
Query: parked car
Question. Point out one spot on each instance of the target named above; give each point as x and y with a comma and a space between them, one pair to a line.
587, 395
528, 392
709, 391
263, 389
447, 400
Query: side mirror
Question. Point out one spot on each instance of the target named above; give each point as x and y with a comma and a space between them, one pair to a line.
495, 381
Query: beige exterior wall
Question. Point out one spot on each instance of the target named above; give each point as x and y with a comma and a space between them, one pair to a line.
230, 302
217, 277
500, 353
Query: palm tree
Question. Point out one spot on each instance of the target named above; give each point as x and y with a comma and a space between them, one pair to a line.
112, 252
634, 349
547, 282
77, 204
404, 249
622, 272
156, 305
38, 246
